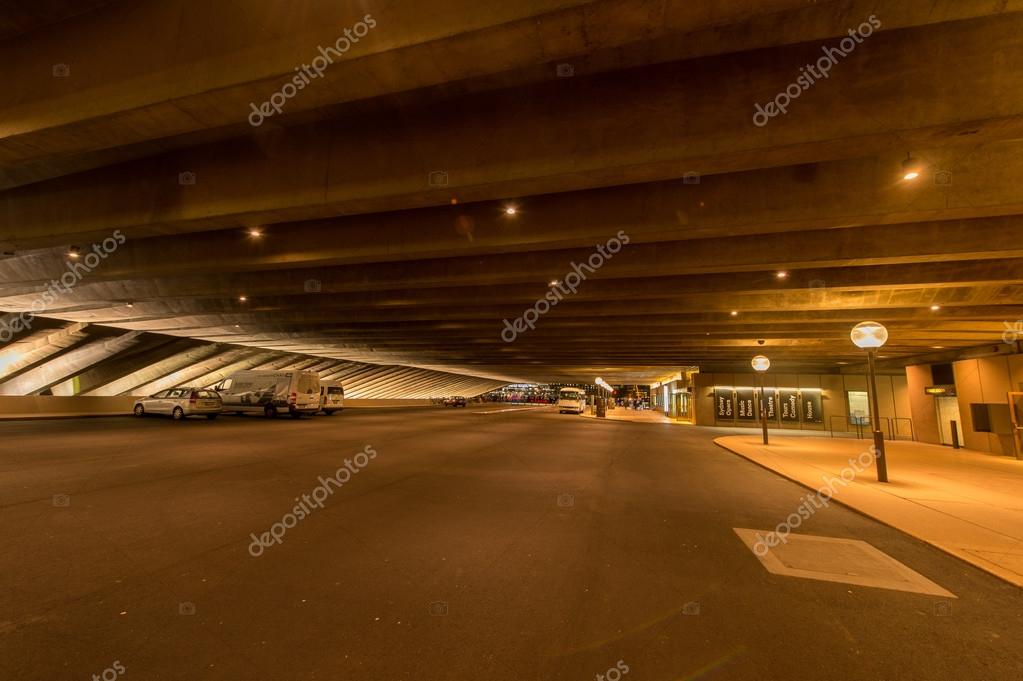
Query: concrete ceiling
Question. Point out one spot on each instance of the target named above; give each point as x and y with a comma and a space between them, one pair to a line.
380, 190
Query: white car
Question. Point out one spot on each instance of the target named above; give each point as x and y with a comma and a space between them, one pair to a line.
181, 402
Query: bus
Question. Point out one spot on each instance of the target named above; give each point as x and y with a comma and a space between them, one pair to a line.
571, 401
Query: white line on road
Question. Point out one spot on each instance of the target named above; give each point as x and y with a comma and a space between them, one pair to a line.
501, 411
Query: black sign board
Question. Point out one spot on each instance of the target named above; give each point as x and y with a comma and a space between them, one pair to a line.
789, 398
724, 401
744, 404
812, 407
771, 397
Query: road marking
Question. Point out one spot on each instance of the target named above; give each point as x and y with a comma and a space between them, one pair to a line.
501, 411
832, 559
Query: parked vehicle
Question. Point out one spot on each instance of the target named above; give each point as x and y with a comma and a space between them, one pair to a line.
571, 401
179, 403
332, 397
271, 392
455, 402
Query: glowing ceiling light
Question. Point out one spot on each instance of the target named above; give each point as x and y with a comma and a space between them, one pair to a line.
911, 168
869, 335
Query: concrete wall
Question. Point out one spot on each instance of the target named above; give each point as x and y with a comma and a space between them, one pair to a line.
893, 397
925, 416
67, 407
978, 381
360, 404
54, 407
986, 380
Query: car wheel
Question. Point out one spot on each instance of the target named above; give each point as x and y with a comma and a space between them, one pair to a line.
212, 417
328, 412
140, 410
296, 415
270, 411
178, 413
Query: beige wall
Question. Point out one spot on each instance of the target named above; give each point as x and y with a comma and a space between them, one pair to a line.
893, 396
986, 380
925, 415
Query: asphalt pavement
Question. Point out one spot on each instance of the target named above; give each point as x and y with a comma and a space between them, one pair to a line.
499, 545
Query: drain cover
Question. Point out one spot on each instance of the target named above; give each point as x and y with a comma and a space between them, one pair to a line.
847, 561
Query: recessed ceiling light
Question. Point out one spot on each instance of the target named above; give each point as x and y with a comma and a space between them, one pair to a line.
935, 308
734, 313
782, 275
242, 299
255, 232
130, 305
553, 282
937, 347
510, 210
74, 252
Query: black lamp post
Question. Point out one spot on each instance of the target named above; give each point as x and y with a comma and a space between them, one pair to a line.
762, 364
870, 336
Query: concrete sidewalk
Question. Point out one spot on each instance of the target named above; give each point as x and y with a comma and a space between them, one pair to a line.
966, 503
635, 415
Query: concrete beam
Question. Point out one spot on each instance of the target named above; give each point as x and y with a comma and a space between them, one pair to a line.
490, 147
127, 385
68, 365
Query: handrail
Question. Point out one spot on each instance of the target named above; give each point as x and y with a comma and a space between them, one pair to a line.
888, 424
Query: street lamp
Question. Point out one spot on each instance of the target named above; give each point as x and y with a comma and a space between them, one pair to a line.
762, 364
870, 336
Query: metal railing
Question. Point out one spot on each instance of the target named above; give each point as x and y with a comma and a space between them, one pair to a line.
892, 427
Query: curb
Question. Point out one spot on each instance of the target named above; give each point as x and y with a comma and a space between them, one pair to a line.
865, 514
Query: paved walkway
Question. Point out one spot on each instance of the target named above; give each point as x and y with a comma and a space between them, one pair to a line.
966, 503
639, 416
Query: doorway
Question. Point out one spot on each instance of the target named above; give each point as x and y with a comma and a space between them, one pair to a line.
681, 407
948, 410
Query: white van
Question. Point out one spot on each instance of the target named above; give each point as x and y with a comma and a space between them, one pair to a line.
271, 392
572, 401
332, 397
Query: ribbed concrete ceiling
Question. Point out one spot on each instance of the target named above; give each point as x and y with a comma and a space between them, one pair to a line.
380, 192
